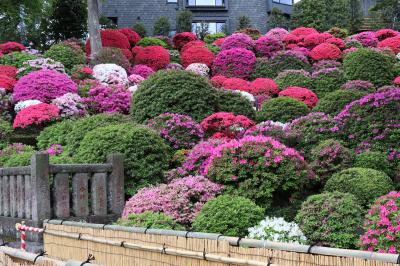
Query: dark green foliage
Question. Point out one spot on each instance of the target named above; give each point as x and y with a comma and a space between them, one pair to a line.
332, 103
330, 219
16, 59
231, 102
373, 66
277, 19
365, 184
151, 220
374, 160
110, 55
227, 215
55, 134
146, 155
140, 29
5, 133
68, 19
162, 27
270, 68
339, 32
184, 21
149, 41
327, 80
210, 38
66, 55
170, 91
296, 78
11, 151
19, 159
282, 109
107, 23
243, 23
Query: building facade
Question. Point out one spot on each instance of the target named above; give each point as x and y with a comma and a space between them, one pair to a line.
219, 14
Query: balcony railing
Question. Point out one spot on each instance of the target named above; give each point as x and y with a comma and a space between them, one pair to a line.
205, 3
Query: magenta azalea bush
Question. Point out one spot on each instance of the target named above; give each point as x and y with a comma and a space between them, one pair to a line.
43, 85
382, 225
180, 131
268, 46
141, 70
236, 62
181, 199
238, 40
109, 99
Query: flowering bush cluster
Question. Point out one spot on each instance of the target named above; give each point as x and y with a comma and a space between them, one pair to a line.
361, 85
325, 51
10, 47
141, 70
180, 131
268, 46
238, 40
294, 78
111, 38
70, 105
110, 74
199, 69
236, 62
183, 38
23, 104
8, 71
301, 94
39, 64
36, 115
132, 35
197, 55
109, 99
155, 57
7, 83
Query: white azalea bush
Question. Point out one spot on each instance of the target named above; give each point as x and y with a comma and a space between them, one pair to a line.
23, 104
199, 69
110, 74
277, 230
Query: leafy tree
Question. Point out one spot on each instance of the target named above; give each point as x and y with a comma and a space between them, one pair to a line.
184, 21
162, 26
243, 23
140, 29
106, 23
389, 12
68, 19
202, 30
277, 19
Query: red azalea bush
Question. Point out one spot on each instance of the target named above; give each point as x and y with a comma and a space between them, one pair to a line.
393, 43
219, 42
301, 94
264, 87
338, 42
111, 38
9, 47
196, 54
8, 71
156, 57
396, 81
386, 33
218, 81
382, 225
303, 31
105, 99
268, 46
226, 125
36, 115
237, 62
291, 39
7, 83
127, 53
132, 36
43, 85
183, 38
236, 84
238, 40
192, 44
315, 39
82, 73
325, 51
135, 50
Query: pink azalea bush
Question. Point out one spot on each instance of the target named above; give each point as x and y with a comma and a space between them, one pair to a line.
361, 85
36, 115
180, 131
238, 40
109, 99
278, 33
366, 38
43, 85
70, 105
141, 70
268, 46
181, 199
382, 225
301, 94
236, 62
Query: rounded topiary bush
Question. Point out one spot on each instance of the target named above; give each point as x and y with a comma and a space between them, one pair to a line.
155, 57
43, 85
268, 46
327, 80
111, 38
329, 157
257, 167
197, 55
369, 65
151, 220
235, 62
149, 41
55, 134
282, 109
297, 78
365, 184
334, 102
227, 215
179, 92
146, 155
381, 233
133, 36
270, 68
111, 55
233, 102
330, 219
16, 59
301, 94
325, 51
238, 40
374, 160
183, 38
66, 54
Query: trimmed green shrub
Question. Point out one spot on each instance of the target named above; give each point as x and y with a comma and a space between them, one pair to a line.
149, 41
281, 109
13, 150
294, 78
66, 55
330, 157
111, 55
162, 27
210, 38
374, 160
231, 102
334, 102
327, 80
171, 91
84, 125
331, 219
151, 220
5, 133
365, 184
213, 48
140, 29
16, 59
146, 155
227, 215
55, 134
184, 21
19, 159
370, 65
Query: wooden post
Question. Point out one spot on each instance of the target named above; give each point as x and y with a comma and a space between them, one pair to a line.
40, 187
61, 196
80, 194
116, 199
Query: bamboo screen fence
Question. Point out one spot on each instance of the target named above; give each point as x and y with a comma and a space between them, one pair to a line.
121, 246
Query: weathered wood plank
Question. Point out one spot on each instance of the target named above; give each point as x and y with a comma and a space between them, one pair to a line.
80, 194
61, 196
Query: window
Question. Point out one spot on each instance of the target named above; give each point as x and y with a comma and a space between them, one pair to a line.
283, 2
172, 1
206, 2
213, 27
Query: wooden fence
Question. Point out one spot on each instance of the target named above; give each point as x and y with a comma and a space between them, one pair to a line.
90, 192
123, 246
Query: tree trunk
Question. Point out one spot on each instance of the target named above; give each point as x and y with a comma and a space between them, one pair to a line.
94, 27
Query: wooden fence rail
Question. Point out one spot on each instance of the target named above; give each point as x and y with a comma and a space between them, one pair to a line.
90, 192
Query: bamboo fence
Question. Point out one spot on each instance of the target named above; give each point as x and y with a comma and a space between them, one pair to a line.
123, 246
